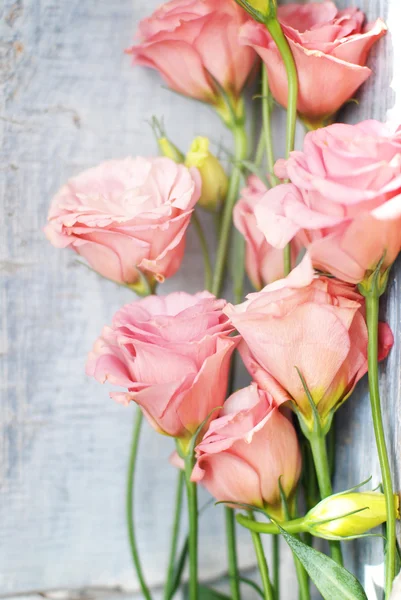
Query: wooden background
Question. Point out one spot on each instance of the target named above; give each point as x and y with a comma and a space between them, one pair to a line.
69, 99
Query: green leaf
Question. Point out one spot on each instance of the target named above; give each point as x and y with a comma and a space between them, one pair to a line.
355, 488
316, 417
332, 580
206, 593
256, 14
194, 439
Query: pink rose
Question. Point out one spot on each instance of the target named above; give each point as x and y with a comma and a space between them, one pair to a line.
125, 215
330, 49
193, 42
319, 329
247, 450
172, 354
344, 202
264, 263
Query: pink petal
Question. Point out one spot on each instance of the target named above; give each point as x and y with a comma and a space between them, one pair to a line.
179, 64
209, 388
228, 477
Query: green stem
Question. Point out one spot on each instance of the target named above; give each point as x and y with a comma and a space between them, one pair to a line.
319, 451
331, 447
232, 195
267, 130
303, 580
260, 150
276, 565
182, 559
238, 266
174, 538
192, 495
302, 575
294, 526
205, 250
284, 49
287, 260
217, 223
233, 571
372, 318
130, 504
262, 564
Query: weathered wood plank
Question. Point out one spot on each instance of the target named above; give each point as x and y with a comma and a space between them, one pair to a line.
356, 457
70, 99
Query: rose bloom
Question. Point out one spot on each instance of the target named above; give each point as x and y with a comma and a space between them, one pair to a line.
264, 263
125, 215
246, 451
193, 42
344, 202
330, 49
172, 355
318, 329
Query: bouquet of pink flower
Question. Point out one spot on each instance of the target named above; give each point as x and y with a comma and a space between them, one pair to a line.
316, 232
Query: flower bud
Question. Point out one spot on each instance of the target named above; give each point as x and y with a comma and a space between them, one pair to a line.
169, 150
349, 514
214, 178
260, 10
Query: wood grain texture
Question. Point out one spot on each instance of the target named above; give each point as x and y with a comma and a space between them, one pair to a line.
69, 99
380, 98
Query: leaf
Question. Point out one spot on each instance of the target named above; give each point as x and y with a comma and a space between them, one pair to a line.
157, 126
255, 14
206, 593
187, 451
332, 580
317, 428
355, 488
194, 439
225, 96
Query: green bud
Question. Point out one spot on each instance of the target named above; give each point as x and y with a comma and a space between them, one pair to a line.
169, 150
214, 178
347, 515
